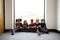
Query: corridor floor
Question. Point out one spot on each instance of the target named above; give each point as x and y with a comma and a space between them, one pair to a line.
29, 36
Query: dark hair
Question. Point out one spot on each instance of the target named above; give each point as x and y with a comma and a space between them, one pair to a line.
31, 19
18, 19
25, 21
42, 19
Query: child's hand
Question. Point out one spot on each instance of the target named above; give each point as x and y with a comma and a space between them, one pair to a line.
20, 27
28, 27
39, 25
32, 27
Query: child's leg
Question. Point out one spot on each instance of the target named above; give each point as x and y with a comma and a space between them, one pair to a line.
42, 30
37, 31
17, 28
26, 30
32, 30
45, 30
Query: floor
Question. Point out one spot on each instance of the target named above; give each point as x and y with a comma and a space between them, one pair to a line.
29, 36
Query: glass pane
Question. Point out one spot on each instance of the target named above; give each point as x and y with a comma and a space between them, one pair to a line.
29, 9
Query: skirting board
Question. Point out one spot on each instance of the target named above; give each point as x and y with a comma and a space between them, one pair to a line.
7, 30
50, 30
54, 30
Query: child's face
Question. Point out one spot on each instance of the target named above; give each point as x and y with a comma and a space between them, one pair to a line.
42, 21
25, 22
18, 20
31, 21
37, 21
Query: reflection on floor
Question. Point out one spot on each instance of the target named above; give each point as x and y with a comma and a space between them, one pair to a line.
29, 36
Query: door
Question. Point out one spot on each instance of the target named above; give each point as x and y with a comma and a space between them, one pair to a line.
1, 17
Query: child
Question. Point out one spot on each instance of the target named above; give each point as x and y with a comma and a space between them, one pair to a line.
43, 26
18, 23
32, 26
37, 24
25, 26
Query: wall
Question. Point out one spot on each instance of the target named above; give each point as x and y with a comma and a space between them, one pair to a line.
8, 14
51, 14
58, 15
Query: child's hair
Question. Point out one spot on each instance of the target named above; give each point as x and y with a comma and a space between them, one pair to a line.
37, 19
42, 19
25, 21
31, 19
18, 19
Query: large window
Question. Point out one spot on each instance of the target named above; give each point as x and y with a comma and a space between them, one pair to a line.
29, 9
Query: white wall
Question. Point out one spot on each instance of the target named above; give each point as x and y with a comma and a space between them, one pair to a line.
58, 15
9, 14
51, 14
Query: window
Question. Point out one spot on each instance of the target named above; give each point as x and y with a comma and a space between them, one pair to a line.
29, 9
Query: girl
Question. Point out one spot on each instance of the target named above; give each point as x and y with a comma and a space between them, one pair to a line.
25, 26
18, 23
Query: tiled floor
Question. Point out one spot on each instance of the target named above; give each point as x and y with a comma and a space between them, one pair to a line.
29, 36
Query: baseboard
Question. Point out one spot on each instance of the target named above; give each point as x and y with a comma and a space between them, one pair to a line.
58, 32
7, 30
50, 30
54, 30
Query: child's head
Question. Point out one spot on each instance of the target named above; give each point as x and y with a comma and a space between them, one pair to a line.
42, 20
18, 20
37, 20
31, 20
25, 22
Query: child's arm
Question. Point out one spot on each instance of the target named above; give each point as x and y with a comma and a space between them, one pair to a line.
45, 26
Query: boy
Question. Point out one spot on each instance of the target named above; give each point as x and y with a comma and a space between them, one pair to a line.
43, 26
37, 24
32, 26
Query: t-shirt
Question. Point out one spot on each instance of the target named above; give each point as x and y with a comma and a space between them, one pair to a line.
32, 25
37, 24
43, 25
25, 25
18, 24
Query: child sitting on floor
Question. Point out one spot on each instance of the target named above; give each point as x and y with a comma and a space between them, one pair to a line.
37, 24
18, 23
25, 26
43, 26
32, 26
